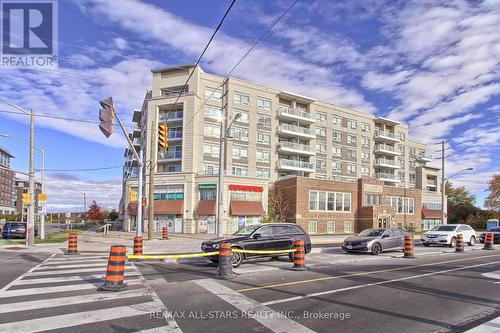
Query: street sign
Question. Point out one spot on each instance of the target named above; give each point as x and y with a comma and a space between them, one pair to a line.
42, 197
68, 215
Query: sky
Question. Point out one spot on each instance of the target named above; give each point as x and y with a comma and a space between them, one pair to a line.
434, 65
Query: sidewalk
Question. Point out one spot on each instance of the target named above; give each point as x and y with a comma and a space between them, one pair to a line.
91, 242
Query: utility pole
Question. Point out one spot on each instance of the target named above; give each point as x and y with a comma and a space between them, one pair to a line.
152, 165
138, 224
42, 214
84, 204
443, 218
222, 162
31, 207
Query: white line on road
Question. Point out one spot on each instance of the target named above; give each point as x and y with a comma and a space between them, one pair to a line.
67, 278
72, 271
69, 262
48, 290
72, 300
493, 326
44, 267
23, 275
321, 293
79, 318
268, 317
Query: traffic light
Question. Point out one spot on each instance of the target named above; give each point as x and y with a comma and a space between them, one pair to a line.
133, 196
26, 198
162, 137
107, 116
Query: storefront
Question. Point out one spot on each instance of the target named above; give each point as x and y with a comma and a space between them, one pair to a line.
206, 208
169, 208
245, 206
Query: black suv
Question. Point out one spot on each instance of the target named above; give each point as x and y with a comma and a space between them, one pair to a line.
16, 230
269, 236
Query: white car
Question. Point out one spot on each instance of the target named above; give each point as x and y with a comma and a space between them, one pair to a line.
446, 234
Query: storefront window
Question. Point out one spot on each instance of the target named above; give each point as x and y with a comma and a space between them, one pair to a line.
246, 196
169, 192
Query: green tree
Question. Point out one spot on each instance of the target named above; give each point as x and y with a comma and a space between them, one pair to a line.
461, 205
459, 195
492, 201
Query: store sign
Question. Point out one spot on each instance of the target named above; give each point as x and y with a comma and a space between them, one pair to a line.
207, 186
247, 188
168, 196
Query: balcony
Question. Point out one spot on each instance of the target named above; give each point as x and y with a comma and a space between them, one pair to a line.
174, 136
295, 114
387, 177
290, 165
295, 131
386, 150
171, 116
384, 163
285, 147
386, 137
168, 156
424, 158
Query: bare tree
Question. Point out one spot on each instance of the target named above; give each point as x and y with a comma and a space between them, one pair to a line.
278, 205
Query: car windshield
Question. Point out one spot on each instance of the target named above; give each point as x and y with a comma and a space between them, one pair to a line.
444, 228
17, 225
245, 231
371, 233
494, 229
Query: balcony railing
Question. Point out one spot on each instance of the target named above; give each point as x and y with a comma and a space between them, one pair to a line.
387, 148
385, 175
380, 161
296, 164
174, 116
170, 155
379, 133
295, 146
175, 135
425, 157
296, 129
295, 113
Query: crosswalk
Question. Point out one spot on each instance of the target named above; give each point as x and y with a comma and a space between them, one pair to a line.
62, 294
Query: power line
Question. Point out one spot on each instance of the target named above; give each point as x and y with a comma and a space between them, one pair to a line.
82, 170
243, 57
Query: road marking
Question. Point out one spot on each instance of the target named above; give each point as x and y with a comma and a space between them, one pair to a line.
25, 274
261, 313
67, 262
71, 300
362, 273
326, 292
72, 271
492, 275
491, 326
79, 318
68, 278
48, 290
76, 265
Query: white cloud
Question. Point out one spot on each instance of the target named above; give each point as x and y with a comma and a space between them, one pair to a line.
120, 43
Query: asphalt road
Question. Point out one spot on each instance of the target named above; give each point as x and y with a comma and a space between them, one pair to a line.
15, 264
437, 291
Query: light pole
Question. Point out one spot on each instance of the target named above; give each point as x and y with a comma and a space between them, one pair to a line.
42, 152
443, 219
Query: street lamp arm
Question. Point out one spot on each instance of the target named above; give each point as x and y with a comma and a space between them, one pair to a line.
456, 173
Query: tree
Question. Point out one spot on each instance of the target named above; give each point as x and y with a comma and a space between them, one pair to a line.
458, 195
461, 203
113, 215
492, 201
277, 204
95, 212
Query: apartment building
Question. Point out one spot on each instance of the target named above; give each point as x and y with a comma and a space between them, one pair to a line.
22, 186
278, 134
6, 183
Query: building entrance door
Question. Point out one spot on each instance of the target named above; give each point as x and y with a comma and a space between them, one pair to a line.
384, 222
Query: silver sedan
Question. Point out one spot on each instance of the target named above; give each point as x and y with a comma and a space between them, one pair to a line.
375, 241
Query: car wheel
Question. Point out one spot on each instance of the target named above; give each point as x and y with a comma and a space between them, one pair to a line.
376, 249
425, 244
472, 241
453, 242
236, 259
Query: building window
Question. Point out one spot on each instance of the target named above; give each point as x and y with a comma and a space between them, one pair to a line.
352, 154
263, 155
336, 151
263, 173
265, 121
330, 227
245, 196
321, 117
351, 139
337, 166
240, 171
213, 112
336, 120
244, 116
401, 175
365, 170
321, 132
365, 127
431, 205
320, 148
413, 177
211, 150
401, 149
212, 93
240, 98
210, 169
320, 164
337, 136
365, 142
211, 131
352, 124
240, 134
402, 205
365, 157
263, 138
372, 200
240, 153
312, 227
412, 164
413, 151
401, 136
347, 227
351, 168
264, 103
329, 201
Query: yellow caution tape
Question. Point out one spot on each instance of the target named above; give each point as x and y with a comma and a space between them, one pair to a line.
172, 256
263, 251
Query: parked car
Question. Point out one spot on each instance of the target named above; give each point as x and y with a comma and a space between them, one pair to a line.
375, 241
496, 235
269, 236
16, 230
446, 234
